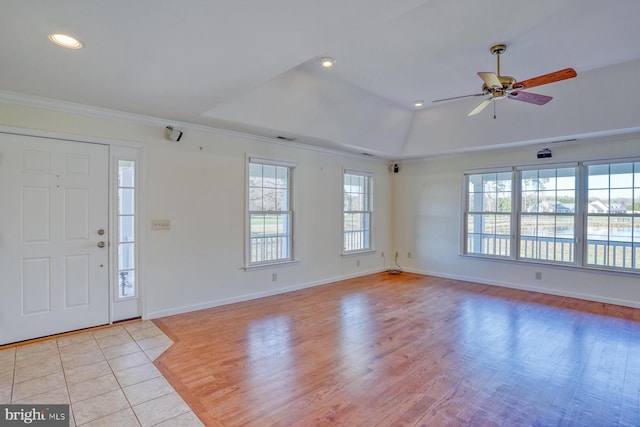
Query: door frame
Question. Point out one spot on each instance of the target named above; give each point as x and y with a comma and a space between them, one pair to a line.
116, 148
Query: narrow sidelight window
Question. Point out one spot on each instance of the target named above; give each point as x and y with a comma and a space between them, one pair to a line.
126, 229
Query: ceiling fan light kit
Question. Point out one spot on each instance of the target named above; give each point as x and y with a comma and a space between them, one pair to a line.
498, 87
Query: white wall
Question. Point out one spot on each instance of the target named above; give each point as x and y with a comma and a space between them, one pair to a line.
202, 191
427, 223
198, 184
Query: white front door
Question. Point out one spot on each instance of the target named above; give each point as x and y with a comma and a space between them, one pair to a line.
54, 249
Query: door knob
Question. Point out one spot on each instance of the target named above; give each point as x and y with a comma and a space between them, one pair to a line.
101, 244
101, 231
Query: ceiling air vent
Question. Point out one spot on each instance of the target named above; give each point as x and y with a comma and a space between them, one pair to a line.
285, 138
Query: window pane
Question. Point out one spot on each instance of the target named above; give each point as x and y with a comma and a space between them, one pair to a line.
282, 177
489, 203
126, 284
126, 173
598, 176
530, 201
270, 237
255, 199
255, 175
566, 178
269, 199
125, 229
504, 201
126, 256
621, 175
269, 175
126, 201
281, 200
529, 225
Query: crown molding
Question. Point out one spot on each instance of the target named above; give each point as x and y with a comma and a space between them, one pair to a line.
140, 119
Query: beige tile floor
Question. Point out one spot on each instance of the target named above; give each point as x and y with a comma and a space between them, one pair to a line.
106, 375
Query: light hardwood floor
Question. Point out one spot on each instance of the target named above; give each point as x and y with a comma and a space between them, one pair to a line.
407, 350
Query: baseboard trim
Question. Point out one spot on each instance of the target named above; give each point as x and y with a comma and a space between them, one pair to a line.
577, 295
226, 301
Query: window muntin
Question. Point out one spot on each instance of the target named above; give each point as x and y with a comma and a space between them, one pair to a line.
547, 214
584, 215
270, 213
488, 214
613, 215
357, 212
126, 233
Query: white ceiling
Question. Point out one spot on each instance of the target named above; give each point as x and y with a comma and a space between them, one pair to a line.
252, 65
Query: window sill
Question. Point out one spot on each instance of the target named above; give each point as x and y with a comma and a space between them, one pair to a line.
355, 253
270, 265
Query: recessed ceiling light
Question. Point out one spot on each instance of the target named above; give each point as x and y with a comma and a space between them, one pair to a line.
65, 41
327, 61
419, 103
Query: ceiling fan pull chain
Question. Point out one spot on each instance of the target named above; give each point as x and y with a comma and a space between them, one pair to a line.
494, 104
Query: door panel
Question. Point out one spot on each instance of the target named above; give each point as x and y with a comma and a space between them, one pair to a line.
53, 200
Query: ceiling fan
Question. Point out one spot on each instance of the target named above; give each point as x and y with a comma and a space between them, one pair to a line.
500, 87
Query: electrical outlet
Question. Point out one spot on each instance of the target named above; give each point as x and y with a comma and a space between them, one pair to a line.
160, 224
382, 254
357, 263
274, 277
538, 275
409, 255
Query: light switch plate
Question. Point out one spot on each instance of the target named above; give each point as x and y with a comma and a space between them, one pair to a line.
160, 224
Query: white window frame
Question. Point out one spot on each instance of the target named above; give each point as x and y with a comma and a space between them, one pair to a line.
117, 231
575, 248
290, 233
368, 211
634, 217
468, 211
581, 216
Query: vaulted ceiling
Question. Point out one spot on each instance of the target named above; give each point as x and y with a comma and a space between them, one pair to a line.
252, 66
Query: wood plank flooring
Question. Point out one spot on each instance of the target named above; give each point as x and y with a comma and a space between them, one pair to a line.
385, 350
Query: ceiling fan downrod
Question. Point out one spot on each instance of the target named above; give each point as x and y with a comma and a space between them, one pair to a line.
498, 50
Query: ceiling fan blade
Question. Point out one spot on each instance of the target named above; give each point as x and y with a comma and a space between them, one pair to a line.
458, 97
556, 76
531, 98
480, 107
490, 79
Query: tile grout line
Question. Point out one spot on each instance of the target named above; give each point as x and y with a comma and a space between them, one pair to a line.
66, 384
94, 340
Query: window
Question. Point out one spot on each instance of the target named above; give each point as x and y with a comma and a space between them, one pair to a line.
613, 215
547, 214
357, 212
586, 214
488, 214
270, 213
126, 229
